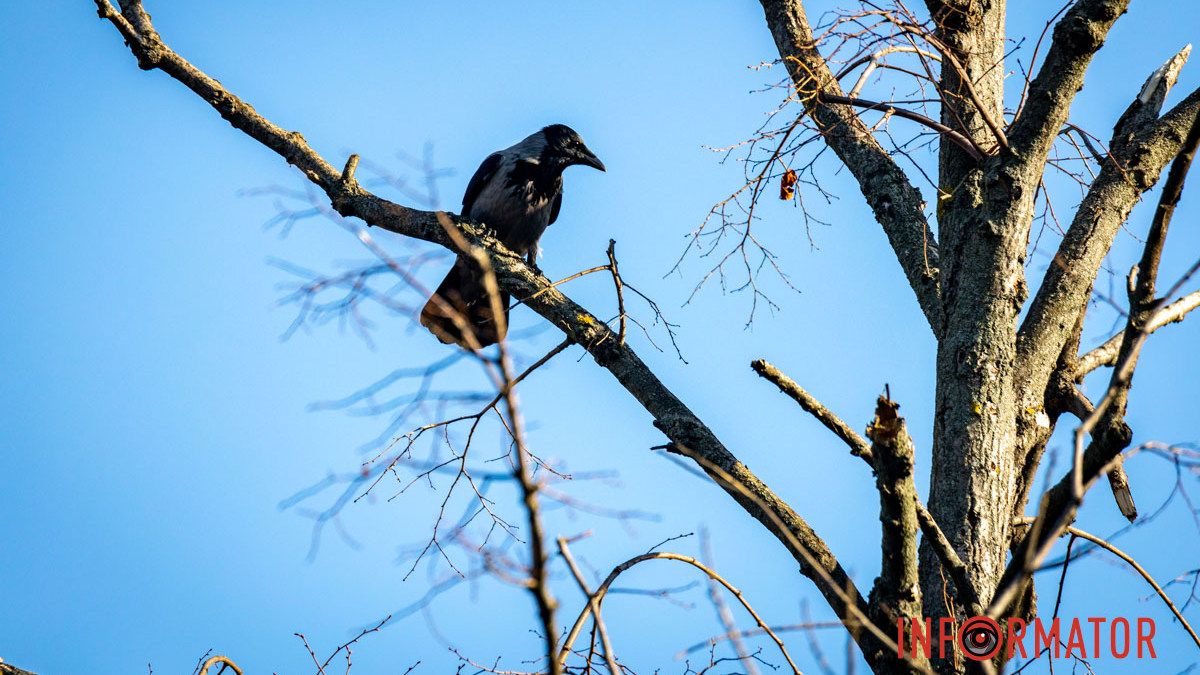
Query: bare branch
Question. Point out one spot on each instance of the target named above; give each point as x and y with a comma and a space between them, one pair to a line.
1137, 568
897, 205
225, 662
620, 286
1077, 404
897, 591
843, 597
670, 414
963, 142
539, 585
724, 614
1143, 144
602, 592
950, 560
610, 657
754, 632
1106, 354
858, 446
1110, 435
1077, 37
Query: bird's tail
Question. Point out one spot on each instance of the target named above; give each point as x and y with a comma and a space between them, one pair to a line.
459, 300
1119, 481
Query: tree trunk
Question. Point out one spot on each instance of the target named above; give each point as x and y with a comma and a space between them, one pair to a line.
983, 229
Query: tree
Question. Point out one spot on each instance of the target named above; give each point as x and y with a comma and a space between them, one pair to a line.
1007, 366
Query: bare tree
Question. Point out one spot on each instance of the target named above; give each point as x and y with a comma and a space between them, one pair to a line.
1008, 366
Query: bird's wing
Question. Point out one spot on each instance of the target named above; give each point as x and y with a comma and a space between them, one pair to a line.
556, 203
482, 175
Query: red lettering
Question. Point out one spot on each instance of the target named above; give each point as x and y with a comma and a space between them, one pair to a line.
1075, 640
1112, 637
1016, 637
921, 634
1050, 639
1096, 621
1145, 636
946, 635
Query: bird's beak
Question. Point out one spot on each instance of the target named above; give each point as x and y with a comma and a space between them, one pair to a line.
586, 158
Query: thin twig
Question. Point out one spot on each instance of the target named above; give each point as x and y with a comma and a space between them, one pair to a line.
225, 662
616, 275
1098, 541
610, 657
602, 591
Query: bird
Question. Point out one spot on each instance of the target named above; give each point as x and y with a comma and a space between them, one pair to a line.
515, 194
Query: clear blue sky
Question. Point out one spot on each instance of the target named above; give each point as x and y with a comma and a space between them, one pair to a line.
153, 420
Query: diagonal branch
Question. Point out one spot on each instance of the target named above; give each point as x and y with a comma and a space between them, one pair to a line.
1077, 37
671, 416
897, 205
859, 447
724, 613
1105, 424
1077, 403
949, 559
963, 142
1144, 574
1143, 144
1106, 354
610, 658
811, 405
595, 600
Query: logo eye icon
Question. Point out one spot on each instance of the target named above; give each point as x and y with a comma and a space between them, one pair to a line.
979, 638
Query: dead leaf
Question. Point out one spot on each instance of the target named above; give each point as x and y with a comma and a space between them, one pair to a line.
787, 185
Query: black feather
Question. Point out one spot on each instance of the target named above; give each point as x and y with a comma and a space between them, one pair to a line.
482, 175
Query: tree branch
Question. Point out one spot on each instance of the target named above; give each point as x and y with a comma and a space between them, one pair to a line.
897, 205
1109, 433
670, 414
610, 657
598, 597
1143, 144
858, 446
724, 613
1144, 574
1106, 354
1077, 37
897, 588
1077, 403
962, 141
950, 560
225, 662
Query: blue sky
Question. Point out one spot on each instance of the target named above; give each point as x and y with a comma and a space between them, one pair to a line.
154, 419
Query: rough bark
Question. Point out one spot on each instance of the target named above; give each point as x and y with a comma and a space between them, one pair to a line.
897, 205
896, 592
984, 223
1141, 147
982, 291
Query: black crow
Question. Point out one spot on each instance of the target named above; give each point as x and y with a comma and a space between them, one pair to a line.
516, 193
